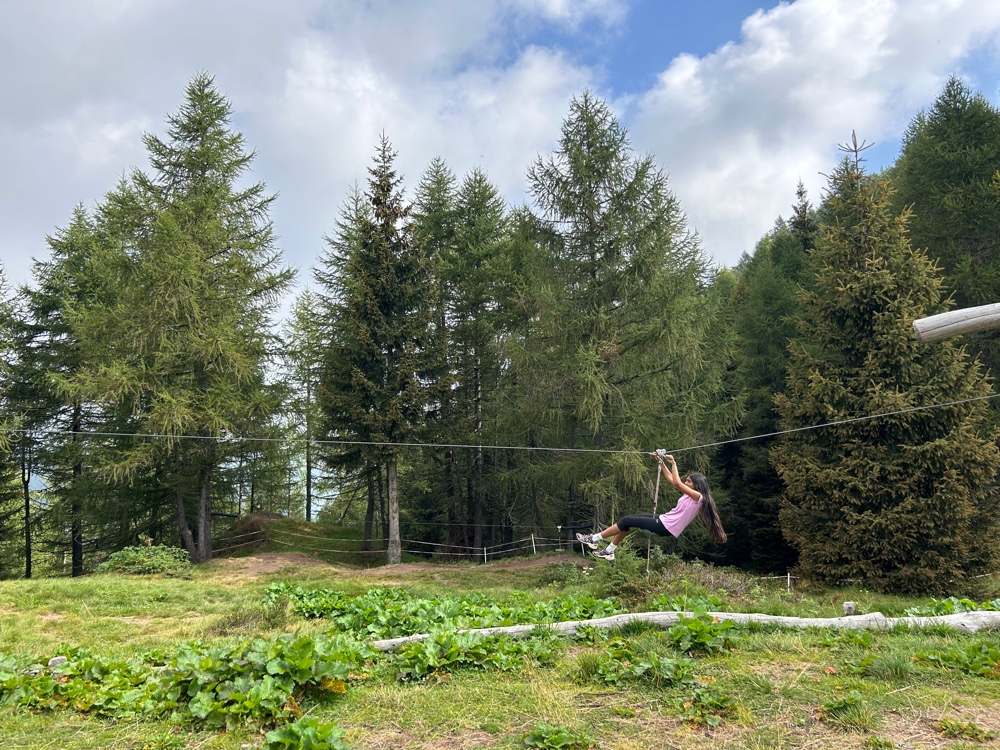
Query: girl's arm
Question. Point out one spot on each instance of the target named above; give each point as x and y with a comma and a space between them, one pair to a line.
674, 478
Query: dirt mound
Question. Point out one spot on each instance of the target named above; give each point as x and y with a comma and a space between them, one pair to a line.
269, 562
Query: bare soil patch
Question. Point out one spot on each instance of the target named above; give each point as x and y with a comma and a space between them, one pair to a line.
265, 563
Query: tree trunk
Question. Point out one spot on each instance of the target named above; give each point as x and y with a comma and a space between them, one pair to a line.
394, 550
26, 489
477, 471
187, 538
366, 541
309, 478
383, 516
76, 523
205, 515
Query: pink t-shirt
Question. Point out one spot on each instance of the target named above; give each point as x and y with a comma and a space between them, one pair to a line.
676, 520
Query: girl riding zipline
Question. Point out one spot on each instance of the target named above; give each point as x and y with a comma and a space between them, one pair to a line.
696, 501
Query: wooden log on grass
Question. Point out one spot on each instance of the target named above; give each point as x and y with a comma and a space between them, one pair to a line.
956, 322
965, 622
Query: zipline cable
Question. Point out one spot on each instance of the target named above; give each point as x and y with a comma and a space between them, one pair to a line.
390, 444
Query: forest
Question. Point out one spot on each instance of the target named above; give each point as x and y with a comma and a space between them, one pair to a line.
462, 371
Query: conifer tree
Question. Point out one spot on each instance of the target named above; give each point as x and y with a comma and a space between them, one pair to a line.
182, 347
47, 348
303, 364
379, 363
616, 353
765, 311
947, 173
902, 502
10, 505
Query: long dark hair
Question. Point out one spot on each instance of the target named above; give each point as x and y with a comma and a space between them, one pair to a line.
709, 514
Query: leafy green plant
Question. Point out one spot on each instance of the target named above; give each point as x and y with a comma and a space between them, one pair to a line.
879, 743
705, 705
701, 634
982, 659
965, 730
839, 703
619, 665
951, 606
445, 652
307, 733
388, 612
685, 603
837, 638
147, 561
547, 737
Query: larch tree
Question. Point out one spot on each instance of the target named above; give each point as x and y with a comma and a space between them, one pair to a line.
182, 346
902, 502
618, 352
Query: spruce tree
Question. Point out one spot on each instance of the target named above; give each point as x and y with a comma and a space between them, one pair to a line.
379, 364
303, 365
947, 175
182, 347
902, 502
765, 314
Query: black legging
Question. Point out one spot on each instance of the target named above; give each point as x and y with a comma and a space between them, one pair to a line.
644, 521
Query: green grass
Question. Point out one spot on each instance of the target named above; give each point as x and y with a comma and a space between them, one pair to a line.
788, 688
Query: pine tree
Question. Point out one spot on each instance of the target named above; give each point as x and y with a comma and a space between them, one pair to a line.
379, 364
901, 502
182, 348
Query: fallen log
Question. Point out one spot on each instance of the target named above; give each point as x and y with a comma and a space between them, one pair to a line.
965, 622
956, 322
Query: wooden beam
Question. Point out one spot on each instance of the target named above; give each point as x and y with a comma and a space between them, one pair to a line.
957, 322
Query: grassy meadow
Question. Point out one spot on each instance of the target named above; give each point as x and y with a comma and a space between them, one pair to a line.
700, 685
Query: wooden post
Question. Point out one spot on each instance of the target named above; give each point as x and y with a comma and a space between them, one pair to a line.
533, 550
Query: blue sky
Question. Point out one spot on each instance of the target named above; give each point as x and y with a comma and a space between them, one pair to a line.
736, 100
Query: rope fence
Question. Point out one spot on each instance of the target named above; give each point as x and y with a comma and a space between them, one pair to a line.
530, 546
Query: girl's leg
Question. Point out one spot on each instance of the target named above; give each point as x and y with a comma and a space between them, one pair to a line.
617, 533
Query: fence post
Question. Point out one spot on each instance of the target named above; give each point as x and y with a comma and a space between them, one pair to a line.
484, 555
533, 550
267, 539
789, 574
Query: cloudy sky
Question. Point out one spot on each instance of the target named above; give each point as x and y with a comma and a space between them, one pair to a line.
737, 100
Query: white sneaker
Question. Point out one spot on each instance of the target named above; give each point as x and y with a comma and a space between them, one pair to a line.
584, 539
605, 554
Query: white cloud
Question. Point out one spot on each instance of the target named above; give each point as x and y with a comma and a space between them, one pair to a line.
572, 13
738, 128
313, 83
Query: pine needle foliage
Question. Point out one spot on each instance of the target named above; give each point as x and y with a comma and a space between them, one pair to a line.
619, 349
181, 345
900, 503
379, 368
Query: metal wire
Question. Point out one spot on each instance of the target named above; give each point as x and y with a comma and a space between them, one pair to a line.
389, 444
